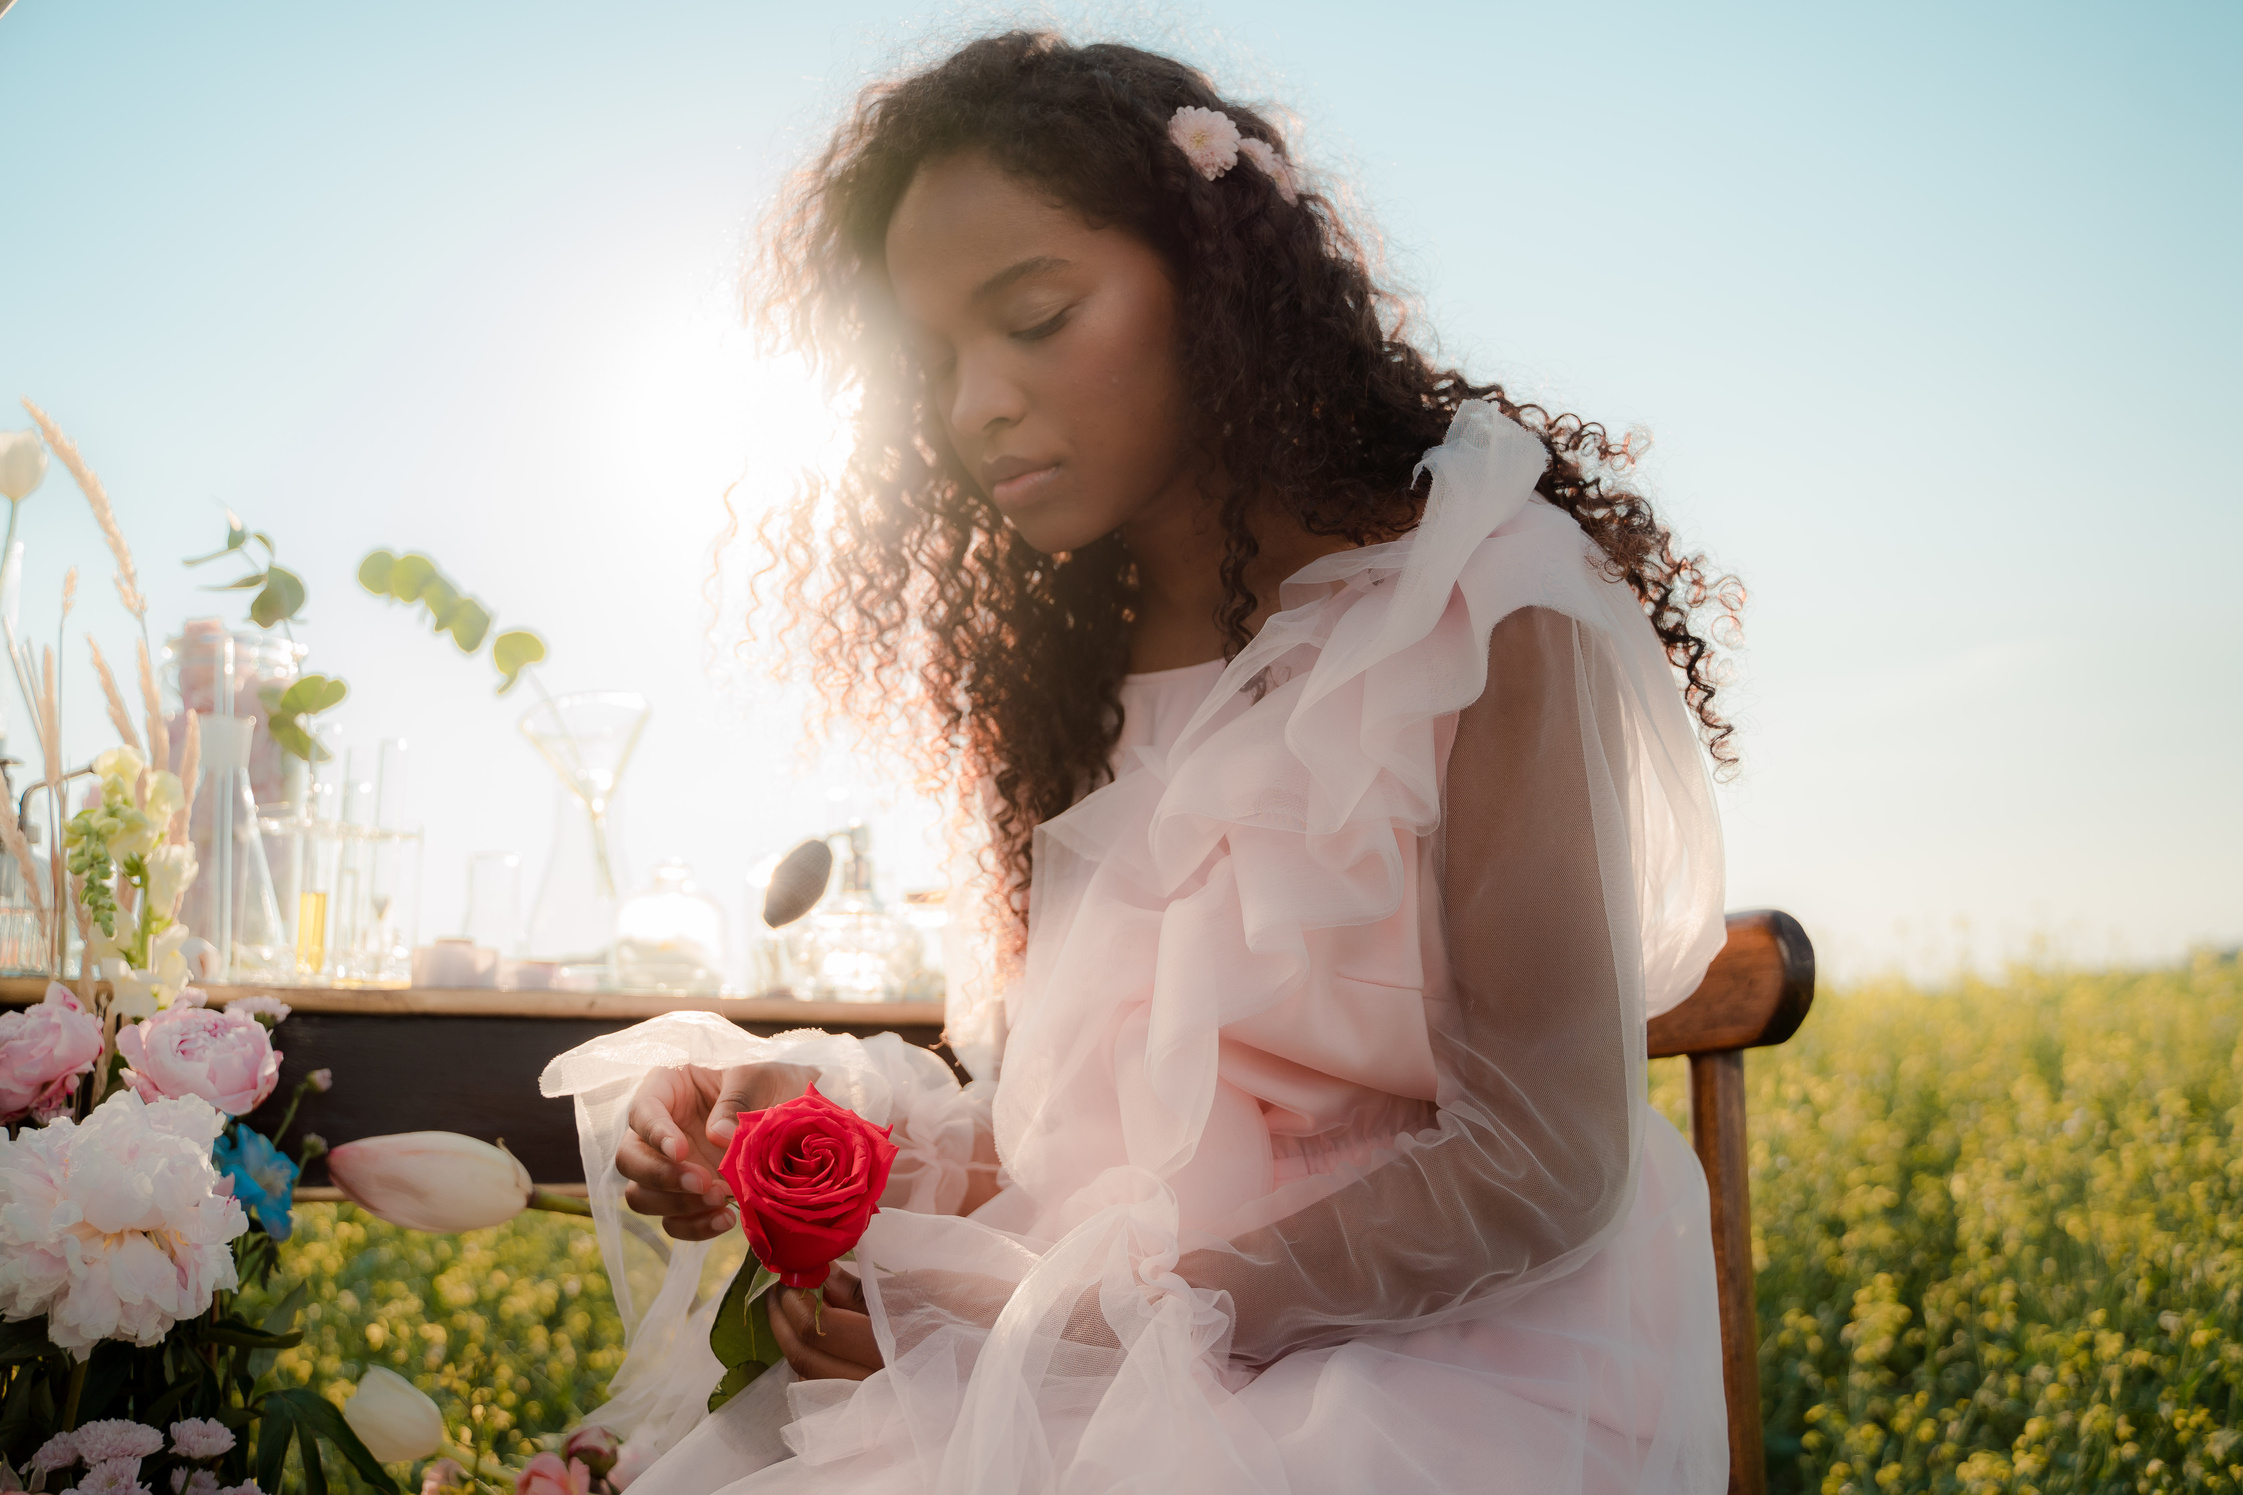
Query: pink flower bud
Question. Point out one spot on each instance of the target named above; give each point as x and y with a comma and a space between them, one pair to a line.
547, 1475
434, 1181
596, 1446
321, 1080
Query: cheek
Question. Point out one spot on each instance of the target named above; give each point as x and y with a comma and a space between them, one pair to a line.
1125, 405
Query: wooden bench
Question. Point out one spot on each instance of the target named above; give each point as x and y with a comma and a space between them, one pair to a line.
468, 1061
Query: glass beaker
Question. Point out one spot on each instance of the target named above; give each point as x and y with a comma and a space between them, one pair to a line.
230, 903
228, 671
494, 902
588, 739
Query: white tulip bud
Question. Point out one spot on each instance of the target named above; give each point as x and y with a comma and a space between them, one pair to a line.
23, 463
393, 1418
434, 1181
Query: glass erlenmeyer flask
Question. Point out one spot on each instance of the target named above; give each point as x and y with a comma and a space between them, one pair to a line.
588, 738
231, 903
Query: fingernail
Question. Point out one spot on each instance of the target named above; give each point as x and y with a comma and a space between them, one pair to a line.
714, 1196
673, 1148
692, 1182
721, 1131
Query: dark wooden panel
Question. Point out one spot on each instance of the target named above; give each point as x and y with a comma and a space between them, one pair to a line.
1717, 1130
475, 1075
1756, 993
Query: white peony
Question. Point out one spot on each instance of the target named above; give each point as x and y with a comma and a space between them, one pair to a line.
117, 1438
113, 1477
114, 1227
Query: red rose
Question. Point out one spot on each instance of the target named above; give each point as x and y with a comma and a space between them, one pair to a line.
808, 1175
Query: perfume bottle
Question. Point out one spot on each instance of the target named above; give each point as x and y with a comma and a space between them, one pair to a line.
850, 948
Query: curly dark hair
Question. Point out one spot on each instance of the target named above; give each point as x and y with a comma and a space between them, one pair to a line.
904, 587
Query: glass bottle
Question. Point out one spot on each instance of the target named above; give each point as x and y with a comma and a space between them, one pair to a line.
849, 948
669, 937
230, 903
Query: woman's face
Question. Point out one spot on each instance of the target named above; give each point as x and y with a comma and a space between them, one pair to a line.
1049, 348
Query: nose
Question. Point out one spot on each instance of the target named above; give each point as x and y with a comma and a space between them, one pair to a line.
986, 398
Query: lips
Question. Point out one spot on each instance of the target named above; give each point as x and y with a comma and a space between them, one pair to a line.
1017, 480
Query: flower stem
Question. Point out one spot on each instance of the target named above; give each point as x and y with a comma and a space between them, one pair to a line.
560, 1204
77, 1389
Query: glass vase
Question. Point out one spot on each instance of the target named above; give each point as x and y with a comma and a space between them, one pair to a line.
588, 739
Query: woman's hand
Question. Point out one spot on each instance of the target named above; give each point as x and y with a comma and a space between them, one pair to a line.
845, 1350
680, 1123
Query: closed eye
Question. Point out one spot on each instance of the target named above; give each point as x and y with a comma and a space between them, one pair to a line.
1042, 329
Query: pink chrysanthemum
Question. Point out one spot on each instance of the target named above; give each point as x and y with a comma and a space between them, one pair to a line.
113, 1477
1207, 138
201, 1438
1272, 165
117, 1438
58, 1452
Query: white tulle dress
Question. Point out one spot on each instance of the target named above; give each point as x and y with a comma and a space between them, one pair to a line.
1326, 1159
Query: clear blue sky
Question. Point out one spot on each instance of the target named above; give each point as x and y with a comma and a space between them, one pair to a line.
1932, 310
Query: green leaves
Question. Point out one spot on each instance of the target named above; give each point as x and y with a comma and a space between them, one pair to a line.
414, 580
280, 592
740, 1336
306, 1417
514, 652
286, 709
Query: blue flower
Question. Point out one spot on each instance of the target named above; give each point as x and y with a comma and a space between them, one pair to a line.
264, 1179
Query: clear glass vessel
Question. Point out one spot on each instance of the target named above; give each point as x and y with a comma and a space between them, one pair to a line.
669, 937
850, 948
588, 739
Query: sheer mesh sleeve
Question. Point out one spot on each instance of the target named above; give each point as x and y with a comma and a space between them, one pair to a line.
1538, 1041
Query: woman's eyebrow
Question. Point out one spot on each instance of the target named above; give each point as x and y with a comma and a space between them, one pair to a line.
1012, 274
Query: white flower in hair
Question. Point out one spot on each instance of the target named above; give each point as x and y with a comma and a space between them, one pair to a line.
1272, 165
1207, 138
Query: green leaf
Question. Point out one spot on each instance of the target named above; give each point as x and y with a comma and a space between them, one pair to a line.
25, 1340
373, 572
281, 600
236, 537
513, 652
408, 575
310, 696
282, 1316
739, 1334
468, 623
275, 1427
737, 1379
239, 583
315, 1413
234, 1331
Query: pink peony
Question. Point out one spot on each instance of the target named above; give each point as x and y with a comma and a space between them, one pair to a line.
219, 1054
201, 1438
193, 1482
547, 1475
43, 1050
114, 1229
262, 1004
246, 1487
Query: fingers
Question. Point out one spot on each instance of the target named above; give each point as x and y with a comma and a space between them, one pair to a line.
846, 1350
653, 1173
705, 1227
752, 1087
653, 1115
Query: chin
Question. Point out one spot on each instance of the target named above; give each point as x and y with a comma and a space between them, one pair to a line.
1051, 533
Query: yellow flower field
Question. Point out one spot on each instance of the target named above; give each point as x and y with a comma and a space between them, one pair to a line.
1999, 1232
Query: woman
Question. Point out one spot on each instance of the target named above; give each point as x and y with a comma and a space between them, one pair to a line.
1348, 820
